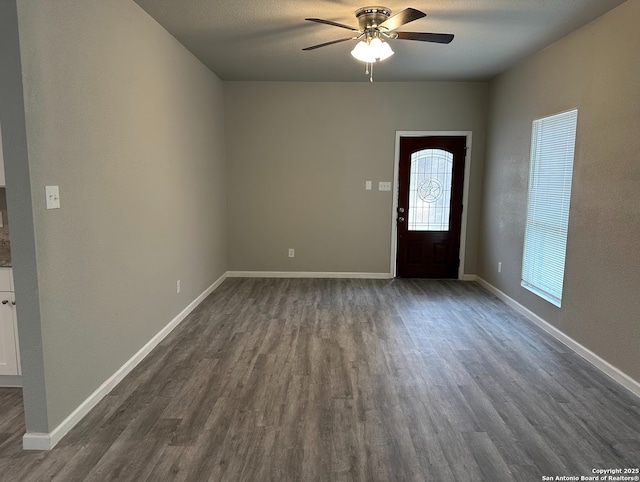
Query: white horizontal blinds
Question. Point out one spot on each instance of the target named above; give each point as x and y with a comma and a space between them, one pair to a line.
545, 240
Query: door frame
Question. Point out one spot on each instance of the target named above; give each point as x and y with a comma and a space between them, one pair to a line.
465, 194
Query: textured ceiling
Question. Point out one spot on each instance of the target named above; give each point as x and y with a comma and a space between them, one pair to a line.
262, 39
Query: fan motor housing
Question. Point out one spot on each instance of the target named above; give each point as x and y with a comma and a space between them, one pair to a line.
371, 17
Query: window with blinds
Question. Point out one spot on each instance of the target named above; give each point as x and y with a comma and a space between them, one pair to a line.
545, 240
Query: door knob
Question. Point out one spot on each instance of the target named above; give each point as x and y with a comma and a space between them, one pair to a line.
400, 219
4, 302
400, 210
13, 303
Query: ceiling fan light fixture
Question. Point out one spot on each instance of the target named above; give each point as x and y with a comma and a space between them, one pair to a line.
363, 53
374, 49
375, 25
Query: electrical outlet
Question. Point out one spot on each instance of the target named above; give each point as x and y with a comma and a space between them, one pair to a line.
178, 287
499, 266
292, 253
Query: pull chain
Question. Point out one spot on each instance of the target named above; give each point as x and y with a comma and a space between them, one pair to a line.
368, 70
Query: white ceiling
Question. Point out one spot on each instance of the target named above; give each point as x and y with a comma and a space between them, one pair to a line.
262, 39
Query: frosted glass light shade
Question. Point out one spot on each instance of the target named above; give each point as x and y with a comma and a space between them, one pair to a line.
376, 49
363, 53
385, 51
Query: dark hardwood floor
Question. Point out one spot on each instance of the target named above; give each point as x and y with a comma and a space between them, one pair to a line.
342, 380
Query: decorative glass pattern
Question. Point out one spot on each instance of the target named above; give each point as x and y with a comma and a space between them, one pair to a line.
430, 190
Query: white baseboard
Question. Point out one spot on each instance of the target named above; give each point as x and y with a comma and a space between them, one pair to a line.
306, 274
40, 441
10, 381
469, 277
604, 366
46, 441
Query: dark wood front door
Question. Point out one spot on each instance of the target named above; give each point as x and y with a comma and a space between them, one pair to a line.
429, 217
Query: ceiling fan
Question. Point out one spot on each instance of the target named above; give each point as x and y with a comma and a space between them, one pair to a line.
376, 24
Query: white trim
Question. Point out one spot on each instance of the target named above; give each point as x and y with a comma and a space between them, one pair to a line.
46, 441
465, 193
394, 205
306, 274
465, 205
469, 277
38, 441
10, 381
603, 365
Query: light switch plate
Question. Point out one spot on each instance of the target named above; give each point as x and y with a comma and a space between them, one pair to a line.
384, 186
52, 194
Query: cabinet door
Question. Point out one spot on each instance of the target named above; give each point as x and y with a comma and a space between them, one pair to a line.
8, 355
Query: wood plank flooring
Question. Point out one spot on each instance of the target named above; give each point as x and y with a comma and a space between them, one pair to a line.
344, 380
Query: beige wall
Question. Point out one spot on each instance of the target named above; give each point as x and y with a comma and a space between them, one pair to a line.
18, 191
298, 158
595, 69
130, 126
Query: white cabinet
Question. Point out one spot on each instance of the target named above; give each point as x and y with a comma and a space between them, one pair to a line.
8, 328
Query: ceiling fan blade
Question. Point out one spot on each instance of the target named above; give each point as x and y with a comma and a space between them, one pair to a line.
335, 24
313, 47
402, 18
439, 38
